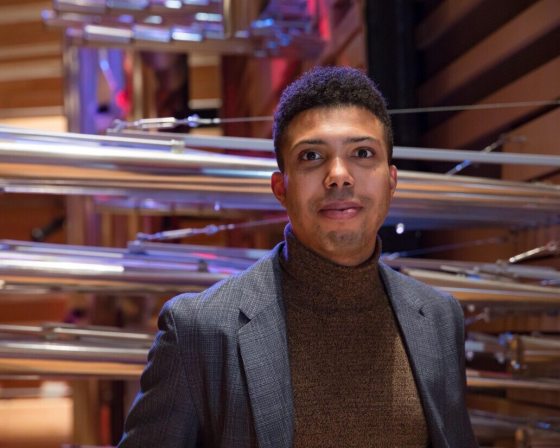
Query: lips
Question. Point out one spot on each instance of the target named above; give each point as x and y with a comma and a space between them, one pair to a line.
340, 210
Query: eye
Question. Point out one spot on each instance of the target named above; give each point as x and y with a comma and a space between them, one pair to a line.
310, 155
363, 153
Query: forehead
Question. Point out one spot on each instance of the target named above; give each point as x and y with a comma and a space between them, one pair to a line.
333, 122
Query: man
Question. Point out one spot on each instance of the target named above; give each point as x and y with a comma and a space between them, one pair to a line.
318, 344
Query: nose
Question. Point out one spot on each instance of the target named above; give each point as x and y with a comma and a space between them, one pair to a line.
338, 174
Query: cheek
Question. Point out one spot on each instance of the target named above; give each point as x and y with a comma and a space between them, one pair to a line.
295, 205
298, 191
300, 206
378, 193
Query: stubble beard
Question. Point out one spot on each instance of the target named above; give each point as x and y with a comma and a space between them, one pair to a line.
344, 241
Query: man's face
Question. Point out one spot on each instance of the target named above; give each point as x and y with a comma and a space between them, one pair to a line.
337, 184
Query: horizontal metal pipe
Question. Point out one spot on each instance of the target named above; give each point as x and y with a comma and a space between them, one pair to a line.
169, 140
445, 279
164, 181
455, 155
62, 331
474, 268
436, 199
36, 369
73, 351
510, 299
479, 380
75, 138
69, 155
158, 267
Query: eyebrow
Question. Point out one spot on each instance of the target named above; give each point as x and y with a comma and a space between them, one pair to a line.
346, 141
361, 139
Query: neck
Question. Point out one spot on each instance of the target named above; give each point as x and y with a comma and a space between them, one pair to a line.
350, 258
322, 277
341, 250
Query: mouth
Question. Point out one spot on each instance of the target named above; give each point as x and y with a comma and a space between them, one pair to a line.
340, 210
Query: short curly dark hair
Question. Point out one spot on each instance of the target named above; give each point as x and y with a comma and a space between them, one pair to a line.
329, 87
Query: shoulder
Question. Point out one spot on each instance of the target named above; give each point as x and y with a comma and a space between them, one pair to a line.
421, 294
442, 310
220, 304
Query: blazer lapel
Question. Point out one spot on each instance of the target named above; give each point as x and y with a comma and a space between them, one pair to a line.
264, 350
422, 346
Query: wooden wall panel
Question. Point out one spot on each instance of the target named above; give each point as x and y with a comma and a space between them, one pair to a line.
354, 53
30, 59
29, 94
447, 15
35, 422
27, 33
22, 12
30, 70
20, 213
459, 25
546, 398
519, 322
205, 82
540, 136
36, 3
32, 310
466, 128
476, 245
537, 21
508, 407
34, 52
263, 82
350, 27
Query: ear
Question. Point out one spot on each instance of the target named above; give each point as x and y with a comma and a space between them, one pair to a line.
278, 186
393, 179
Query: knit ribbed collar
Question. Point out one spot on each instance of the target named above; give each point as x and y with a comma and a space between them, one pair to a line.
324, 285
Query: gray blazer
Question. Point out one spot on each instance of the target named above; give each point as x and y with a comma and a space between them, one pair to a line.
218, 374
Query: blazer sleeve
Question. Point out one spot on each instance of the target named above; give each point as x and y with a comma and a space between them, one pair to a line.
163, 413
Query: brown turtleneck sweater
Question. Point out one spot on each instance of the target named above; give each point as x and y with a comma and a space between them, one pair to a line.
351, 378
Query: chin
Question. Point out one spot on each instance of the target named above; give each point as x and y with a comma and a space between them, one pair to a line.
344, 238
